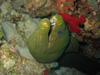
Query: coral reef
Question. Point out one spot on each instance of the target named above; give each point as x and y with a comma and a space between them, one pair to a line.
18, 24
89, 40
65, 5
12, 64
37, 8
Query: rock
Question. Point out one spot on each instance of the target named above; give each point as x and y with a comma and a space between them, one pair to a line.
68, 71
27, 27
1, 2
17, 33
12, 35
5, 8
93, 3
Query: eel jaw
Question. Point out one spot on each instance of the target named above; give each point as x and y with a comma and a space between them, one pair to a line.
52, 25
52, 21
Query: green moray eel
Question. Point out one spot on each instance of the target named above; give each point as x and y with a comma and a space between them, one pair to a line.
73, 45
46, 46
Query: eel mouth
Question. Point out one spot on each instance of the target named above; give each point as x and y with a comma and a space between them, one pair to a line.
52, 25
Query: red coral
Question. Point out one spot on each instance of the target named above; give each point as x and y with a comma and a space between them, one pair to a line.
73, 22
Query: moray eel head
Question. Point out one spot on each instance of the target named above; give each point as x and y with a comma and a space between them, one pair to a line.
48, 41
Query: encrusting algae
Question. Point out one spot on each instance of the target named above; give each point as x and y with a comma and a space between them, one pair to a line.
12, 63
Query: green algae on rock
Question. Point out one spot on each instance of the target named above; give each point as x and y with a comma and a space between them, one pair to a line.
1, 33
46, 46
36, 8
93, 3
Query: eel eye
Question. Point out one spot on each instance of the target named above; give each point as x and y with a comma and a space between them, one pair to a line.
61, 31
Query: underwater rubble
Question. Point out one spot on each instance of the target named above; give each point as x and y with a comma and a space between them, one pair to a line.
11, 63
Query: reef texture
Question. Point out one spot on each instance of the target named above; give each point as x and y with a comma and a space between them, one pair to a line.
89, 40
37, 8
64, 6
12, 64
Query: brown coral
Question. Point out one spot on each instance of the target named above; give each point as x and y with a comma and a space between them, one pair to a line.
38, 8
63, 5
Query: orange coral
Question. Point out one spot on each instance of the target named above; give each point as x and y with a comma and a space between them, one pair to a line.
63, 5
45, 72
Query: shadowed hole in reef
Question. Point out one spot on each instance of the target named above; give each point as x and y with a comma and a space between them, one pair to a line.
80, 62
